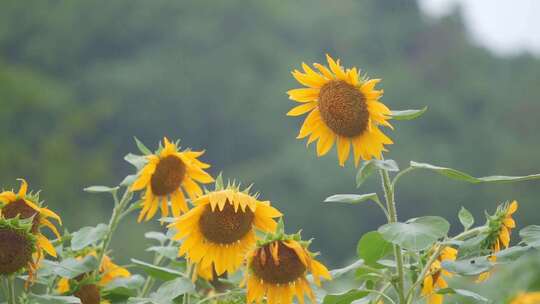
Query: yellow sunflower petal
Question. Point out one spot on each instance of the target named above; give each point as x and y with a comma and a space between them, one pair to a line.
49, 213
304, 94
23, 188
335, 68
302, 109
512, 208
325, 143
343, 149
46, 245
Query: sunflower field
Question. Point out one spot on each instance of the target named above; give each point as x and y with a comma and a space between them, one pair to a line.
248, 152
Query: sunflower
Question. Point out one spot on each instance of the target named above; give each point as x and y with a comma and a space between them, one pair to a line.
501, 225
220, 229
277, 269
527, 298
17, 246
90, 293
435, 278
164, 176
343, 108
26, 206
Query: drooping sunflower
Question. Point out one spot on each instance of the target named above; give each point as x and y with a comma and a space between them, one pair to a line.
17, 246
501, 225
435, 277
26, 206
220, 229
343, 108
90, 293
527, 298
167, 174
277, 269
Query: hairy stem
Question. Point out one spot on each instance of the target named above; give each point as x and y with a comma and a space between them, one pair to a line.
391, 206
149, 283
12, 298
113, 223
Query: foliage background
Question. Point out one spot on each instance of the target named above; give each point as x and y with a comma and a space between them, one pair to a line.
78, 79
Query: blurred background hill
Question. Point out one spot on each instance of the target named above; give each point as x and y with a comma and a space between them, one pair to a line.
78, 79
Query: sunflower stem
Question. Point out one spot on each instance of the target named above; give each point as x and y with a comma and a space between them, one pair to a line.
113, 224
388, 188
149, 282
427, 266
11, 296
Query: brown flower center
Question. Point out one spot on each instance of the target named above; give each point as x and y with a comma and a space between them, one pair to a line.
24, 211
226, 226
288, 269
15, 251
168, 176
88, 294
343, 108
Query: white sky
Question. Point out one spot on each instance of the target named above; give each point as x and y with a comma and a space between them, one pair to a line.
506, 27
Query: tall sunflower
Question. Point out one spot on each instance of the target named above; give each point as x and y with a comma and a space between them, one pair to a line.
277, 269
90, 293
435, 277
501, 225
343, 108
220, 229
167, 174
26, 206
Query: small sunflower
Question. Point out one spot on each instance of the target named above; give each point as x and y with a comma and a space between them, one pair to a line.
435, 278
90, 293
17, 246
26, 206
527, 298
277, 269
164, 176
501, 225
220, 229
343, 108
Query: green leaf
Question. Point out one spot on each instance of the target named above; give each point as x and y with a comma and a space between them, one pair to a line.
155, 235
416, 234
170, 290
370, 166
128, 180
169, 252
48, 299
458, 175
87, 236
408, 114
124, 286
144, 150
372, 247
463, 292
466, 218
100, 189
137, 161
352, 198
345, 298
531, 235
157, 272
70, 268
513, 253
468, 267
336, 273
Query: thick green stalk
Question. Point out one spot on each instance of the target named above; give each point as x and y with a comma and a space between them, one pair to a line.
149, 280
12, 298
113, 223
391, 206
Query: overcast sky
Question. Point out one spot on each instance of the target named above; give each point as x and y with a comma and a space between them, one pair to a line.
506, 27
